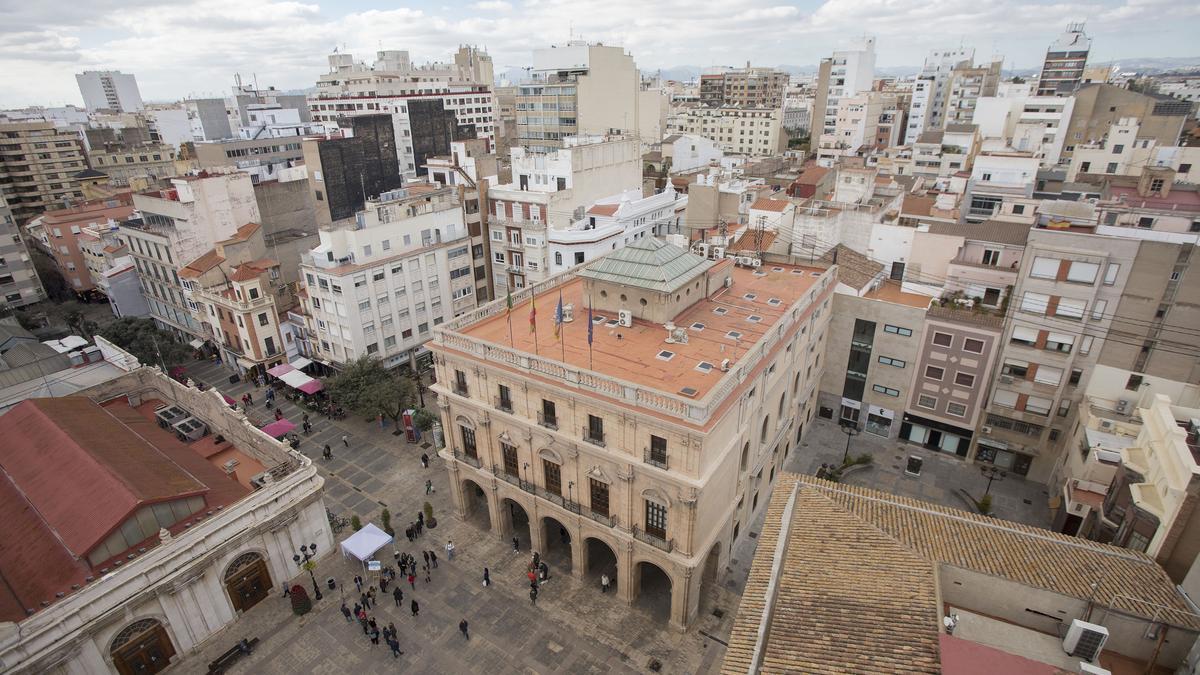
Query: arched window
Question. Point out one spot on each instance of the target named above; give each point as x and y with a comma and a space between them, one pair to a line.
745, 454
782, 401
766, 429
241, 562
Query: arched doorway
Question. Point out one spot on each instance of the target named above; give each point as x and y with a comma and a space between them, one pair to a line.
710, 596
557, 540
247, 581
475, 504
142, 647
653, 590
600, 560
518, 522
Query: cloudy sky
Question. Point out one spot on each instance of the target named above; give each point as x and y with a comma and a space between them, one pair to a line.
179, 48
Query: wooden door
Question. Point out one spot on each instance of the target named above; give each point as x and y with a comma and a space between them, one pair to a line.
249, 585
149, 652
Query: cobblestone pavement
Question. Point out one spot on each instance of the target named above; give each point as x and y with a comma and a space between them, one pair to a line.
572, 629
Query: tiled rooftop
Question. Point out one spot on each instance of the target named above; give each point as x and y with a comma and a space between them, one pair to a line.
636, 354
890, 291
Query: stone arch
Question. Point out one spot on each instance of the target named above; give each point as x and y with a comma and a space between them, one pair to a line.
517, 520
558, 542
782, 404
465, 421
710, 578
766, 429
247, 580
550, 454
142, 646
475, 503
599, 557
657, 495
654, 588
745, 456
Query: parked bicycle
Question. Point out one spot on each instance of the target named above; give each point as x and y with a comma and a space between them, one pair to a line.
336, 522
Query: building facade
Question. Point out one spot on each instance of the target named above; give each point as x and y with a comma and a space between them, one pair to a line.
19, 281
755, 132
109, 90
345, 169
38, 163
61, 233
1066, 59
744, 87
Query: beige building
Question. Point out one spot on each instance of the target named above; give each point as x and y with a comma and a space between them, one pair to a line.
1099, 106
644, 451
1123, 151
122, 164
755, 132
38, 163
748, 87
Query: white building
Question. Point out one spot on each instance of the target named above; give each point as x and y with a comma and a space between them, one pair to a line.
109, 90
756, 132
847, 73
1036, 124
377, 285
932, 89
1001, 187
688, 152
613, 222
1123, 153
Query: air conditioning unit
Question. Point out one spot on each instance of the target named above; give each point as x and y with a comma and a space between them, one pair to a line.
230, 465
725, 365
625, 318
1122, 405
169, 415
190, 429
703, 249
728, 282
1088, 669
718, 252
1085, 640
1006, 379
986, 430
1105, 425
568, 313
755, 263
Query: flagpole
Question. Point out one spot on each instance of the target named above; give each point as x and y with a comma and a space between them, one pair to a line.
508, 315
562, 339
590, 325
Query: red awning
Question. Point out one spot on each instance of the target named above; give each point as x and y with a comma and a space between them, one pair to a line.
311, 387
228, 400
280, 369
278, 429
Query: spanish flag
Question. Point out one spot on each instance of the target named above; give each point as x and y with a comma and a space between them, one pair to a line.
532, 314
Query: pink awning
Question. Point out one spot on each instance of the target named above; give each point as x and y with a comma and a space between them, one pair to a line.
280, 369
311, 387
277, 429
228, 400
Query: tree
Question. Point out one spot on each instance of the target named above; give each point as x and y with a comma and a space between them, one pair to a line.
370, 389
71, 314
145, 341
423, 419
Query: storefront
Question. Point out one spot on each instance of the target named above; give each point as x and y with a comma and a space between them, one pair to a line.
935, 435
998, 454
879, 421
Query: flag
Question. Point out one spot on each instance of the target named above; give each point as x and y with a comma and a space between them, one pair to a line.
532, 314
509, 301
558, 316
590, 324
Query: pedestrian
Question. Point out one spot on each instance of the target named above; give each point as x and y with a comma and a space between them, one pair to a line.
426, 554
428, 486
249, 398
449, 550
374, 636
366, 603
412, 580
328, 453
362, 621
371, 622
532, 578
398, 595
420, 526
416, 609
392, 629
346, 613
420, 519
604, 583
278, 414
357, 609
424, 461
345, 440
533, 596
516, 544
395, 645
427, 578
305, 417
487, 578
371, 594
462, 627
408, 532
383, 582
433, 558
358, 581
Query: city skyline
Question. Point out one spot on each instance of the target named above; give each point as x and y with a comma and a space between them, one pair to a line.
41, 50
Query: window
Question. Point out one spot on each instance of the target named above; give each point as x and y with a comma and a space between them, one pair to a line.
599, 497
1038, 405
1060, 342
468, 436
943, 339
1035, 303
1018, 209
973, 346
1044, 268
897, 330
991, 257
934, 372
1098, 309
1084, 167
885, 390
511, 463
1004, 398
1110, 274
1025, 336
927, 401
552, 475
889, 361
1111, 168
658, 450
656, 519
262, 319
964, 379
1133, 383
595, 430
1048, 375
549, 414
1118, 148
1083, 272
1070, 309
956, 409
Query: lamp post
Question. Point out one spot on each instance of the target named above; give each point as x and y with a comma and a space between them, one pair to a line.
525, 470
306, 554
992, 473
851, 431
570, 487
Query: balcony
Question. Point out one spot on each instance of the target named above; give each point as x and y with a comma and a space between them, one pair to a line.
567, 504
460, 389
654, 540
464, 457
601, 518
504, 404
548, 421
593, 436
654, 458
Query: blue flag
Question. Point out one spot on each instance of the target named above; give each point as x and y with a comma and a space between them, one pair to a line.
558, 317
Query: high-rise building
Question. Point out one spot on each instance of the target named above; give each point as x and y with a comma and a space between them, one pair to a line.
38, 163
967, 84
109, 90
846, 73
755, 132
349, 166
577, 89
19, 282
599, 442
1065, 61
932, 88
756, 87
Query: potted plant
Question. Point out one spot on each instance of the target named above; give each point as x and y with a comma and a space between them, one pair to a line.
430, 521
300, 602
387, 522
355, 523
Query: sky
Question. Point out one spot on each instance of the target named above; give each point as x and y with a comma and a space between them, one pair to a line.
182, 48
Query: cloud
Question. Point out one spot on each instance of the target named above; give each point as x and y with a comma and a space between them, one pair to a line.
183, 47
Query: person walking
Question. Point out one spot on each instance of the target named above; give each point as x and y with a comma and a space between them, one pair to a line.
371, 594
449, 549
383, 583
433, 558
346, 613
516, 544
358, 581
408, 532
463, 628
426, 554
374, 636
533, 596
532, 578
424, 461
249, 398
416, 609
345, 440
604, 583
398, 595
412, 580
395, 645
391, 627
362, 621
428, 486
427, 579
487, 578
328, 453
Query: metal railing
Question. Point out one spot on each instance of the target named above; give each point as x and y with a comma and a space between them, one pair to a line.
459, 389
570, 505
501, 472
548, 421
464, 457
504, 404
601, 518
593, 437
663, 543
654, 458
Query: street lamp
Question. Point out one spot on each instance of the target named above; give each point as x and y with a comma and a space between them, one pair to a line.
308, 553
525, 470
850, 431
570, 486
992, 474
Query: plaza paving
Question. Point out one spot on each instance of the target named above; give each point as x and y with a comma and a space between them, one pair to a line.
573, 628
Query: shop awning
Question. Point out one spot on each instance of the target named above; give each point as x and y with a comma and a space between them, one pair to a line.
280, 370
294, 378
196, 344
300, 363
311, 387
228, 400
278, 429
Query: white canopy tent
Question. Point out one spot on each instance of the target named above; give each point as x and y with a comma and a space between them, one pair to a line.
295, 379
364, 543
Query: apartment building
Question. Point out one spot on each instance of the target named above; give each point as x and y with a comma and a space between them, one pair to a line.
61, 234
941, 154
1098, 106
1151, 201
473, 166
798, 114
577, 89
552, 191
611, 223
969, 83
656, 467
1026, 123
178, 225
345, 168
112, 268
747, 87
978, 261
19, 281
754, 132
378, 284
1066, 58
682, 153
394, 74
38, 163
1124, 152
235, 293
846, 73
931, 90
109, 90
1001, 187
121, 163
262, 158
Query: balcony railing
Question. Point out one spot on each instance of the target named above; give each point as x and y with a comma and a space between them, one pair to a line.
562, 501
504, 404
460, 389
501, 472
601, 518
548, 421
663, 543
593, 436
654, 458
464, 457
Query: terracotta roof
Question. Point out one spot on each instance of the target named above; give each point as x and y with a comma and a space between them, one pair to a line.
854, 269
917, 206
604, 209
252, 270
768, 204
996, 231
746, 241
855, 585
243, 233
812, 175
202, 264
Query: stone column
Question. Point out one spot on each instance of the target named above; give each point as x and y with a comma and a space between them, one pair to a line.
578, 555
537, 531
684, 603
627, 579
501, 521
456, 488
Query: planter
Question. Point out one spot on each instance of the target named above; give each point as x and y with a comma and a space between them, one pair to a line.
853, 468
430, 523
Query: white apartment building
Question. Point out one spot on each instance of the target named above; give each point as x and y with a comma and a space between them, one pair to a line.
1001, 187
931, 90
552, 190
1036, 124
109, 90
1123, 153
688, 152
798, 113
378, 284
847, 73
755, 132
177, 226
394, 74
614, 222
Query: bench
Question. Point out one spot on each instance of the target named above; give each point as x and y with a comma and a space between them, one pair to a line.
231, 655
